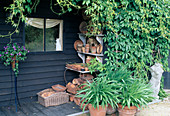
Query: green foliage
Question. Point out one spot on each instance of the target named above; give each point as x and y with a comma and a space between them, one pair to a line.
95, 65
101, 13
13, 52
17, 15
65, 5
162, 94
137, 32
120, 75
140, 36
99, 92
132, 91
136, 93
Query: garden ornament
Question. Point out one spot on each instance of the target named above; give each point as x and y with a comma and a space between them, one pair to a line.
156, 72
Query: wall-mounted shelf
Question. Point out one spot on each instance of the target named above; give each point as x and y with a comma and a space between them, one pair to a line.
91, 54
82, 55
83, 72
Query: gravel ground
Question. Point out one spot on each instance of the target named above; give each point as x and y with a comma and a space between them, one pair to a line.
157, 109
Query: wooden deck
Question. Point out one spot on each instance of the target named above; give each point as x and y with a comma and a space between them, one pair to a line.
35, 109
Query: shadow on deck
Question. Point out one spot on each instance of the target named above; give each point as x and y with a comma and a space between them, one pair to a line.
35, 109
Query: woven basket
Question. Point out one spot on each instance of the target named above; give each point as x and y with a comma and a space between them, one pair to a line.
55, 99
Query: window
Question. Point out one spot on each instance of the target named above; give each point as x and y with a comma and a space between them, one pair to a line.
44, 34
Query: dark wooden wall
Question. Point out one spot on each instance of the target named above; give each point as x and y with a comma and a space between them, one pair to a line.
167, 76
40, 70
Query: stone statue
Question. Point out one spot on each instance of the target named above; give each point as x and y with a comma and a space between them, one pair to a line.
156, 72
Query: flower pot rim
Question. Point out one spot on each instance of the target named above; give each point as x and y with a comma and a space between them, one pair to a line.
126, 107
96, 107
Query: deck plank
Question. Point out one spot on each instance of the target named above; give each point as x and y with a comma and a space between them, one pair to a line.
26, 110
2, 113
8, 112
35, 111
57, 110
19, 112
44, 110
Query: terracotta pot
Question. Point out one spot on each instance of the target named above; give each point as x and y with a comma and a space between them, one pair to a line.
79, 68
110, 109
59, 88
13, 63
126, 111
87, 48
88, 60
83, 49
79, 49
96, 112
87, 45
93, 49
86, 69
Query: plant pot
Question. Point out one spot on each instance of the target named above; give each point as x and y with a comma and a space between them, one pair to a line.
83, 49
79, 49
93, 49
86, 69
13, 63
88, 60
110, 109
87, 49
58, 88
97, 112
126, 111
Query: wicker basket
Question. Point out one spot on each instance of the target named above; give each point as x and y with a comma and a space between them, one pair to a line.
55, 99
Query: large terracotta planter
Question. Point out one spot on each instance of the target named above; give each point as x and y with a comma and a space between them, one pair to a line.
126, 111
96, 112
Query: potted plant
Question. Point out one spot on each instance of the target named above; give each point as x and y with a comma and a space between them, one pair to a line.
97, 95
117, 76
12, 54
134, 95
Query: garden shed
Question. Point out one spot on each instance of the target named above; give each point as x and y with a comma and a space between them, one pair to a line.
44, 65
42, 69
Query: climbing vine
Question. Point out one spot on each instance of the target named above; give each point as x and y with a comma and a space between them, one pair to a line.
140, 37
17, 15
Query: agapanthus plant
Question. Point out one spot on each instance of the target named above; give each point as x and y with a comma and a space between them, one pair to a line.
13, 53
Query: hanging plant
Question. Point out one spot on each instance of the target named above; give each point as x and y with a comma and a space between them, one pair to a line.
12, 54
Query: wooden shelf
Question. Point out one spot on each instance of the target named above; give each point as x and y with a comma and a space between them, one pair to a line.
91, 54
78, 71
99, 39
99, 35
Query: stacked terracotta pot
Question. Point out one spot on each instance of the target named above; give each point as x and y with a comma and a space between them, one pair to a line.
78, 67
75, 86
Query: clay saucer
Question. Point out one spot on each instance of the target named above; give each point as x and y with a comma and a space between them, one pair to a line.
76, 43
